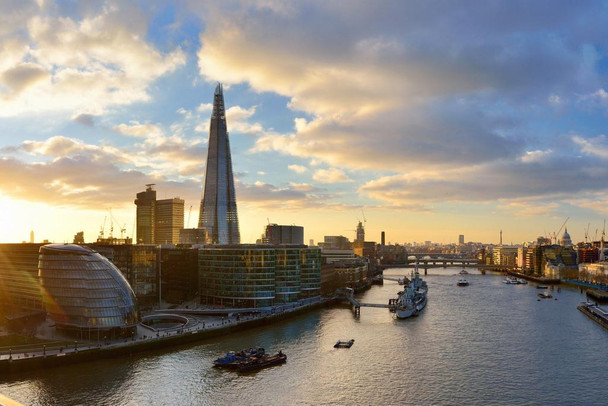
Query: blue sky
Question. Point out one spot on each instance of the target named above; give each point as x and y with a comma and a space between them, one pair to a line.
431, 119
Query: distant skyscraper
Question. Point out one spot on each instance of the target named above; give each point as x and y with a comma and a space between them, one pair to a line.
169, 219
276, 234
32, 237
218, 215
146, 210
360, 233
461, 239
382, 238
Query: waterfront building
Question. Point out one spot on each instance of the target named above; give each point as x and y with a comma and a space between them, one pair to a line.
258, 275
139, 265
169, 220
521, 257
20, 296
145, 215
347, 273
310, 272
594, 273
277, 234
179, 274
504, 255
84, 293
218, 212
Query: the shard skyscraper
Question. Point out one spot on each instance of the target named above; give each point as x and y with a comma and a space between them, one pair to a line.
218, 215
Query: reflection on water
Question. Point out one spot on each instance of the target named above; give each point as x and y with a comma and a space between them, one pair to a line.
487, 343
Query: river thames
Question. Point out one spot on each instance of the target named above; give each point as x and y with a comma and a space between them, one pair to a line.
485, 344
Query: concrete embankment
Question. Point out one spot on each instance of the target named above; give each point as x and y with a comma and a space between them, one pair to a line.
543, 281
41, 358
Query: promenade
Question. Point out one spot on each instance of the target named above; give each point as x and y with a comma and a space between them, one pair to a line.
62, 349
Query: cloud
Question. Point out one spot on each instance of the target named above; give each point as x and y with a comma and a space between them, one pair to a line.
81, 63
297, 168
84, 119
331, 175
136, 129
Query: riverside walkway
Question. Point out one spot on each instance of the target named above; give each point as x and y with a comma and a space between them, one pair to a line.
200, 326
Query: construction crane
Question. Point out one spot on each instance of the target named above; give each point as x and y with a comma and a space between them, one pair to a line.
122, 229
103, 227
587, 233
560, 230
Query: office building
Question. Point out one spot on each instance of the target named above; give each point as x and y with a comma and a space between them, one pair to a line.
218, 213
146, 214
360, 233
169, 220
191, 236
179, 274
258, 275
461, 239
84, 293
158, 221
276, 235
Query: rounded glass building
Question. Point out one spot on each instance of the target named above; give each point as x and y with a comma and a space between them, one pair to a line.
83, 291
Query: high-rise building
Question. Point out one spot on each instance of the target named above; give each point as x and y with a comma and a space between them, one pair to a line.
146, 211
382, 238
218, 215
461, 239
169, 219
360, 233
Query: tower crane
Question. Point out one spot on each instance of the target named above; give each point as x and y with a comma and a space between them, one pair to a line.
560, 229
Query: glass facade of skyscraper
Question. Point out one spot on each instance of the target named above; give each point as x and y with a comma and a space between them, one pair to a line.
258, 275
218, 213
82, 290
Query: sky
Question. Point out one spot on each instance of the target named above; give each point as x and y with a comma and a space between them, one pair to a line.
423, 119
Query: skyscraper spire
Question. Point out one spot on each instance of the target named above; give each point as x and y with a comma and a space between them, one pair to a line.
218, 213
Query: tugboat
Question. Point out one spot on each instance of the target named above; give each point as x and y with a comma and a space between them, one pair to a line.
413, 298
264, 361
233, 359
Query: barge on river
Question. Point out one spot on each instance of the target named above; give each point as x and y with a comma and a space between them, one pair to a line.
595, 313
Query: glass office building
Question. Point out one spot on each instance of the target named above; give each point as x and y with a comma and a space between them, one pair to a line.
258, 275
84, 291
237, 276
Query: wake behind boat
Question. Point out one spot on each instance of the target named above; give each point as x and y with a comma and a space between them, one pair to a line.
413, 298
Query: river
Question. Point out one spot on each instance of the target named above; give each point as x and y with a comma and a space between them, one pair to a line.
485, 344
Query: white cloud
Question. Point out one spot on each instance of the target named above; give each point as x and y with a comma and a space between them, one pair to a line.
331, 175
297, 168
136, 129
82, 64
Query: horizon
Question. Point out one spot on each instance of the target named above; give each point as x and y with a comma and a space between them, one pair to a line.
425, 125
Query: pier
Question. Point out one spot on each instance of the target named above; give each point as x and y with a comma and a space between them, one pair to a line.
349, 295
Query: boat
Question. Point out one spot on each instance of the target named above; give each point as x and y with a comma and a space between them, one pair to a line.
232, 359
462, 282
344, 343
541, 287
594, 312
413, 298
463, 272
264, 361
522, 281
510, 280
545, 295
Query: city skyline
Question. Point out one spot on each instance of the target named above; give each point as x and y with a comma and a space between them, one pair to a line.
481, 118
